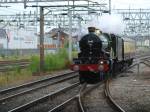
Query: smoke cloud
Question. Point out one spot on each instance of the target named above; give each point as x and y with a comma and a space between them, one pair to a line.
108, 23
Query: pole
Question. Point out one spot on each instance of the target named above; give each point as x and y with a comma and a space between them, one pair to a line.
20, 42
25, 4
79, 27
7, 47
7, 42
58, 38
41, 39
79, 32
138, 67
110, 7
70, 36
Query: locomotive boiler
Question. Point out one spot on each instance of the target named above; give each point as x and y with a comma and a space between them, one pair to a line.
101, 54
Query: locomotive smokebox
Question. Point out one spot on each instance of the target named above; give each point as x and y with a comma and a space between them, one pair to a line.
91, 29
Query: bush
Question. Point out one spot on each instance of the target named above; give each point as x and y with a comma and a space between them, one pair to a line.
52, 61
34, 66
17, 69
3, 55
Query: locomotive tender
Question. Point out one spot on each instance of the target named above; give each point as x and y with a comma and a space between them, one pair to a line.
102, 53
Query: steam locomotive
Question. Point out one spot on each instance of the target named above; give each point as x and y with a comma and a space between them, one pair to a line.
102, 53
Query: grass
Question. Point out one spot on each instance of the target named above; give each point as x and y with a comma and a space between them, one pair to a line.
14, 76
75, 54
52, 62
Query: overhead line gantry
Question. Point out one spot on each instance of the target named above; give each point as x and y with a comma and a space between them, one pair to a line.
72, 9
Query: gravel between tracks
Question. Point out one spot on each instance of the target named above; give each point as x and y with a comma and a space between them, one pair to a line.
132, 92
95, 101
72, 107
14, 102
54, 101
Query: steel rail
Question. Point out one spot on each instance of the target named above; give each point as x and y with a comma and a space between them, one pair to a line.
84, 92
140, 60
113, 102
36, 88
68, 101
81, 93
59, 107
14, 61
12, 67
143, 57
77, 97
11, 64
107, 90
6, 66
34, 102
4, 91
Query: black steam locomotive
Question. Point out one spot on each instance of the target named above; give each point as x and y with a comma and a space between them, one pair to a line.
102, 53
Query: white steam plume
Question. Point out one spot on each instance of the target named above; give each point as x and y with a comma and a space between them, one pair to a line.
108, 23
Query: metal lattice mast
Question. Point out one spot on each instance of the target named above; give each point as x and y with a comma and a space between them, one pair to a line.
64, 12
137, 22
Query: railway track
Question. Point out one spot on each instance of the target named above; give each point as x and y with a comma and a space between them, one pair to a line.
14, 61
48, 101
63, 107
11, 65
68, 96
109, 105
115, 105
96, 101
15, 96
81, 100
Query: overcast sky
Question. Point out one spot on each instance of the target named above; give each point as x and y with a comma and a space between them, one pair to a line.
130, 3
115, 4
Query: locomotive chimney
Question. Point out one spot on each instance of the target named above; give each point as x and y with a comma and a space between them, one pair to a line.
91, 29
